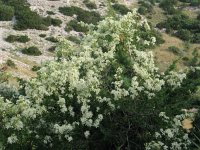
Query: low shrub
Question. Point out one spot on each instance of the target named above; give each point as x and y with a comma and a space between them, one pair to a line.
89, 4
17, 38
52, 39
122, 9
142, 10
184, 35
52, 21
10, 63
52, 48
6, 12
9, 92
35, 68
174, 50
50, 13
42, 35
34, 51
74, 39
82, 15
74, 25
70, 11
56, 22
26, 19
198, 17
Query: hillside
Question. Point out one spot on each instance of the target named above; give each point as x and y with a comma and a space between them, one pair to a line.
100, 74
46, 40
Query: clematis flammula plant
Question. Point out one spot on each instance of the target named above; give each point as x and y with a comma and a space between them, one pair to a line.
75, 91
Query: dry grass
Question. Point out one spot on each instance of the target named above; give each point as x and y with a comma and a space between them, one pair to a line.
157, 16
165, 58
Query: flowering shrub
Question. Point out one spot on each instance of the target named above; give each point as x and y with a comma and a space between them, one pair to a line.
173, 137
71, 96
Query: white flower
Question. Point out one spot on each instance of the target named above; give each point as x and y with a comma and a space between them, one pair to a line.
86, 133
12, 139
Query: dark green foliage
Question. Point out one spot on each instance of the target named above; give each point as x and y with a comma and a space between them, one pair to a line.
10, 63
35, 68
198, 17
52, 39
195, 61
158, 36
142, 10
74, 39
8, 92
184, 27
184, 35
90, 4
34, 51
6, 12
17, 38
192, 2
89, 17
52, 21
196, 38
70, 11
122, 9
175, 50
146, 7
74, 25
56, 22
169, 6
42, 35
26, 19
82, 15
50, 13
52, 48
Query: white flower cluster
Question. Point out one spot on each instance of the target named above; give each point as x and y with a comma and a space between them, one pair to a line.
173, 137
83, 86
175, 79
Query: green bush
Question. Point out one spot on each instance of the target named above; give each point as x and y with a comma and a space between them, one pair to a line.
8, 92
142, 10
17, 38
184, 27
52, 21
74, 39
34, 51
10, 63
56, 22
145, 7
195, 3
50, 13
74, 25
52, 39
26, 19
29, 20
89, 17
169, 6
6, 12
82, 15
175, 50
196, 38
52, 48
122, 9
42, 35
89, 4
70, 11
198, 17
184, 35
35, 68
